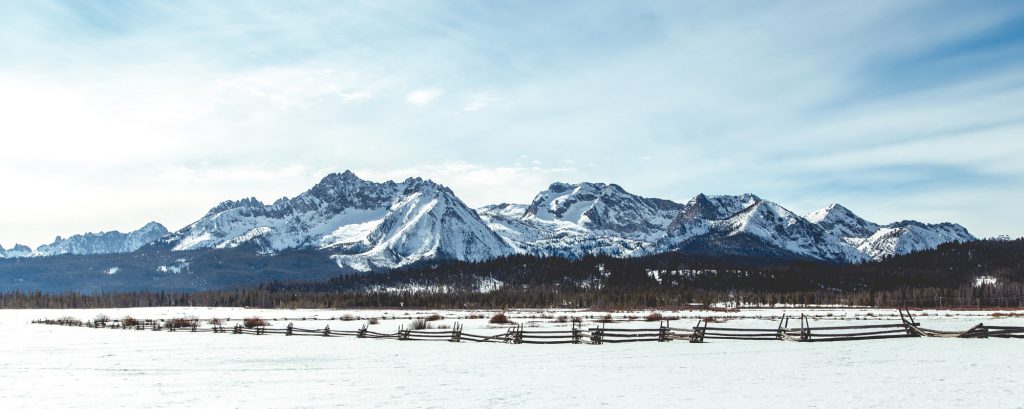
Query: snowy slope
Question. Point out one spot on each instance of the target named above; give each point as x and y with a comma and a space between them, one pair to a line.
698, 214
842, 223
579, 219
875, 241
910, 236
104, 242
19, 250
92, 243
574, 220
782, 229
365, 225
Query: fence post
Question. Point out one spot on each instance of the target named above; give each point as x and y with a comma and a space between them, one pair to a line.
362, 331
597, 335
576, 332
456, 332
698, 332
805, 328
327, 330
288, 331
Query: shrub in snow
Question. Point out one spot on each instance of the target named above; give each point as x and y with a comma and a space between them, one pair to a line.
500, 318
181, 322
419, 323
374, 321
253, 322
101, 319
128, 321
654, 316
434, 317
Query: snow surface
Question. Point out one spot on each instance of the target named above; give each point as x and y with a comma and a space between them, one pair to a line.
52, 366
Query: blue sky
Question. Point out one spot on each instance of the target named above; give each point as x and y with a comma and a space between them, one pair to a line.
117, 113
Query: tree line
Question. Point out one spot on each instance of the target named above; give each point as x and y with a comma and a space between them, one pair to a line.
986, 273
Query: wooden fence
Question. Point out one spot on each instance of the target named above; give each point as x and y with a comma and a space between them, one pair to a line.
576, 334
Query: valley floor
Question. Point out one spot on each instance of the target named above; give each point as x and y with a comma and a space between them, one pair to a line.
54, 366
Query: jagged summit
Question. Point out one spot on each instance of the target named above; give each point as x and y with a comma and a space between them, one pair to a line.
841, 223
596, 218
364, 225
103, 242
19, 250
234, 204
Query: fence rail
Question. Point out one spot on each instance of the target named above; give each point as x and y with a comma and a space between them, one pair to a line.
576, 334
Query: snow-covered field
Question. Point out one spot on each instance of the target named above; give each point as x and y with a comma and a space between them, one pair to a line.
53, 366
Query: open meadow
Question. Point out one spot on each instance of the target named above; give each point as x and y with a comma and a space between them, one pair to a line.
60, 366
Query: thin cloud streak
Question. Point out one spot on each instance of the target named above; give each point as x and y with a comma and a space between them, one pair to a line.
119, 113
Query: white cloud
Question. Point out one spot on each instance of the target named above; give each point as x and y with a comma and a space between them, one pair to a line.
478, 102
423, 97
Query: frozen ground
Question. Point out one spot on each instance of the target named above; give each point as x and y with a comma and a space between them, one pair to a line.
51, 366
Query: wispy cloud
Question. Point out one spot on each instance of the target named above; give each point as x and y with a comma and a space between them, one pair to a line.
478, 102
883, 100
423, 97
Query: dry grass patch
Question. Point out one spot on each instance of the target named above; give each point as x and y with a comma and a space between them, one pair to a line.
419, 324
253, 322
500, 318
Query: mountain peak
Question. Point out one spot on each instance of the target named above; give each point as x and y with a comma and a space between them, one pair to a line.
718, 207
335, 178
842, 223
153, 227
232, 204
104, 242
417, 184
833, 210
19, 250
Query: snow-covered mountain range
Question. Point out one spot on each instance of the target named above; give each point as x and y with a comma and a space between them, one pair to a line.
19, 250
364, 225
587, 218
92, 243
